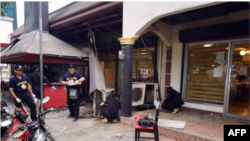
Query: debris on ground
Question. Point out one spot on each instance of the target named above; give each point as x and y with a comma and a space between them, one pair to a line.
59, 109
119, 136
216, 116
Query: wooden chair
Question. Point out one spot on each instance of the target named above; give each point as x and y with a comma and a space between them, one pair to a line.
153, 129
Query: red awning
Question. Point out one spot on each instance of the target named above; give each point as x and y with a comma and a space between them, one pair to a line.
27, 57
3, 44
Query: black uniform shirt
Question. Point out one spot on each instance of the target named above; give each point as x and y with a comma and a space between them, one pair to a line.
74, 77
35, 81
19, 86
113, 106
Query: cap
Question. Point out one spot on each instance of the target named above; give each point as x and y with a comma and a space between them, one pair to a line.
35, 67
18, 67
71, 66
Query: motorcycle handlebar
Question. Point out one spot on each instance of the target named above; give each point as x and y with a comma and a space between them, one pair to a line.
49, 110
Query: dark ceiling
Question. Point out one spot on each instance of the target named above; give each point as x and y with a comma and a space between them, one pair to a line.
108, 27
206, 13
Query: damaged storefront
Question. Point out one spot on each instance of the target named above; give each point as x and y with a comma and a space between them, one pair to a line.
91, 30
99, 29
207, 52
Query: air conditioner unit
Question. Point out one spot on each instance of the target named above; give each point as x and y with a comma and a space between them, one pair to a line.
138, 94
98, 98
144, 93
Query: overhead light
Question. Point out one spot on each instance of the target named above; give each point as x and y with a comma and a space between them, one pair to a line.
213, 65
227, 47
242, 52
192, 55
207, 45
144, 53
246, 51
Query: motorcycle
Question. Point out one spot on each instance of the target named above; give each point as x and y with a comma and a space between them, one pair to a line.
20, 130
5, 113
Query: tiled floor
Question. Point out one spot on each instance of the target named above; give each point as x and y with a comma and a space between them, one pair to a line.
198, 126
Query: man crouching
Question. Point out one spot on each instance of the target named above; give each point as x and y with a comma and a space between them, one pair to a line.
110, 108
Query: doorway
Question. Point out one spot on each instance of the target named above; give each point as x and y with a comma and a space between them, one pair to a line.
238, 105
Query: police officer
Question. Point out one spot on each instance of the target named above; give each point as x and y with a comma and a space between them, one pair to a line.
18, 86
35, 81
72, 76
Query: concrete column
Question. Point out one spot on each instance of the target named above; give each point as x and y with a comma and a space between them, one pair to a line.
127, 65
116, 71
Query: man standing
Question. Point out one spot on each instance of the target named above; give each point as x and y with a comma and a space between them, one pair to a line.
35, 81
72, 80
18, 86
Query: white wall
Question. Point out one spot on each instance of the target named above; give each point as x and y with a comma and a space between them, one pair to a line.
137, 16
6, 29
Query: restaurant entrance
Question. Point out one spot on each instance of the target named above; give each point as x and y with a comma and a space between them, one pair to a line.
239, 81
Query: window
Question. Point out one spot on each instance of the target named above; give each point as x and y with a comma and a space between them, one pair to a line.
4, 65
142, 61
205, 73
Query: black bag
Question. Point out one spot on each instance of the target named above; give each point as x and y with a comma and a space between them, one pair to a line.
145, 122
73, 93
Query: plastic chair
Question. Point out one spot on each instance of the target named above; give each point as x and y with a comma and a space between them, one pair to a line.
153, 129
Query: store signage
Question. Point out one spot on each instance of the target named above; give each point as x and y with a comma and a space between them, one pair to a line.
144, 73
220, 60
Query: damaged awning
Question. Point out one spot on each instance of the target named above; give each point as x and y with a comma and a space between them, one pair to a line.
75, 12
29, 43
27, 49
86, 15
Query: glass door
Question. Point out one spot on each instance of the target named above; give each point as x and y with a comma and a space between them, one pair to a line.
239, 81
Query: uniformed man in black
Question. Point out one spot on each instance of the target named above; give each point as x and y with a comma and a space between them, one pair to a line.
73, 103
18, 86
35, 81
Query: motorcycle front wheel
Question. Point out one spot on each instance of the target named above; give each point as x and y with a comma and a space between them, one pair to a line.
29, 137
50, 138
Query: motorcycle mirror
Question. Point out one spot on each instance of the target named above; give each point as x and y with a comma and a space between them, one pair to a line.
46, 99
5, 123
